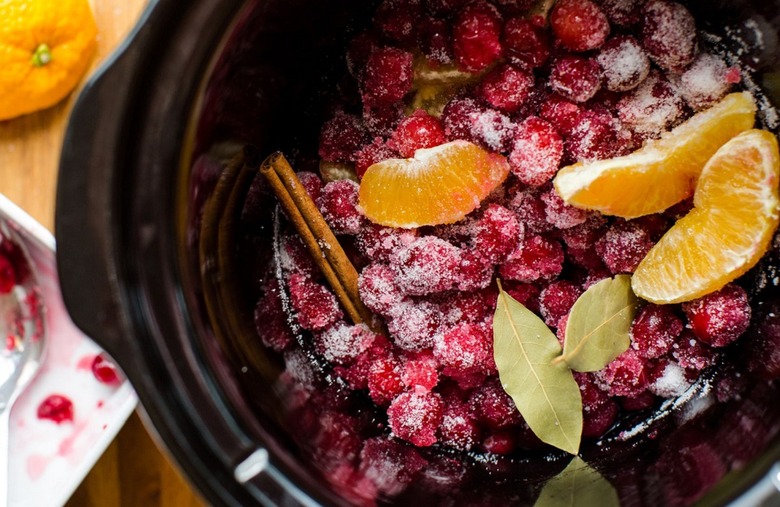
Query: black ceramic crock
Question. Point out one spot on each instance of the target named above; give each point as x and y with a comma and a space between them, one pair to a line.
201, 76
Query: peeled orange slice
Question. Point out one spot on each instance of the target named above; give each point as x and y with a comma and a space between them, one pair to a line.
736, 211
438, 185
661, 173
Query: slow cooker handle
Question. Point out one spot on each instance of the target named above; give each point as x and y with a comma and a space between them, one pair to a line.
85, 221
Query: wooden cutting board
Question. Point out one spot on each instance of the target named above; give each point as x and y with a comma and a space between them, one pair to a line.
132, 472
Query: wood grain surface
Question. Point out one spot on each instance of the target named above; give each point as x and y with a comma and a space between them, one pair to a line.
132, 472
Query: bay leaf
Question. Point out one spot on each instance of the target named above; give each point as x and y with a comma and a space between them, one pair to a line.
546, 394
599, 323
578, 485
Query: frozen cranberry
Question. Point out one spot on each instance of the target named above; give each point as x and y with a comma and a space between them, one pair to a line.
397, 20
719, 318
538, 258
493, 406
338, 204
654, 331
379, 243
415, 416
377, 289
341, 137
271, 319
667, 379
477, 36
373, 152
316, 307
474, 306
669, 34
500, 442
622, 12
463, 346
575, 78
704, 82
336, 440
458, 428
56, 408
579, 25
597, 421
506, 88
474, 271
425, 266
413, 324
420, 369
596, 136
560, 214
556, 300
312, 183
623, 246
498, 233
526, 44
418, 131
586, 234
384, 380
625, 376
561, 113
530, 211
382, 120
342, 343
652, 108
524, 293
465, 119
624, 64
388, 76
536, 153
295, 258
692, 354
105, 370
436, 41
389, 464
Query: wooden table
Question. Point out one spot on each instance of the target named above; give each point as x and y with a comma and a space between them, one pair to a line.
132, 472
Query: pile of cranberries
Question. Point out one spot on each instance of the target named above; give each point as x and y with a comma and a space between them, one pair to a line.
589, 81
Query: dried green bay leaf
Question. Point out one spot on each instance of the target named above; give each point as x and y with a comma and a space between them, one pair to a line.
578, 485
599, 323
545, 393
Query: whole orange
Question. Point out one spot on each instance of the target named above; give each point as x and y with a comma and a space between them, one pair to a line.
45, 48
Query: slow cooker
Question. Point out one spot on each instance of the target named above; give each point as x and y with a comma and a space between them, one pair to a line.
210, 76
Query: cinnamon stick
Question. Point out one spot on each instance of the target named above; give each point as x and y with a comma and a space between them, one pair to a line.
319, 239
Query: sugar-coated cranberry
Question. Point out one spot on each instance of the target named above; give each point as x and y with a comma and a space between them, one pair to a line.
623, 246
425, 266
596, 422
316, 307
530, 211
538, 258
524, 293
691, 353
586, 234
341, 137
388, 76
380, 243
474, 272
413, 324
579, 25
381, 120
105, 370
312, 183
536, 152
561, 113
498, 233
385, 380
625, 376
624, 64
575, 77
377, 289
271, 319
499, 442
418, 131
397, 20
389, 464
506, 88
669, 34
465, 119
462, 346
556, 300
56, 408
373, 152
667, 379
705, 81
526, 44
338, 203
336, 440
414, 416
295, 258
420, 369
477, 36
468, 379
435, 39
652, 108
655, 330
719, 318
597, 135
560, 214
622, 12
342, 343
458, 429
763, 350
493, 406
473, 306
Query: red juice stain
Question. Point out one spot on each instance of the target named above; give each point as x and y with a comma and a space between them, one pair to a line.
105, 370
57, 408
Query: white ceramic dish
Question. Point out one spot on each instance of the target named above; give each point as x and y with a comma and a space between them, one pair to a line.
48, 460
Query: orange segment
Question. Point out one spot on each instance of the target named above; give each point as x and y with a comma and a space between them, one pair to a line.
438, 185
661, 173
736, 211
